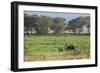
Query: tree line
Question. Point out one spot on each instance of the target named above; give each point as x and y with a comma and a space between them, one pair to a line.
44, 24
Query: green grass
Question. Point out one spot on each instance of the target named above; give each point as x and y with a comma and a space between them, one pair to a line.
45, 47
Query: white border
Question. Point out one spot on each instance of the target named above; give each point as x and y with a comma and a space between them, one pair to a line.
22, 64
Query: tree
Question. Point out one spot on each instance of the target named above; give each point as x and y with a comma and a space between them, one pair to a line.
76, 24
27, 23
87, 23
36, 23
31, 22
72, 25
59, 25
81, 23
44, 21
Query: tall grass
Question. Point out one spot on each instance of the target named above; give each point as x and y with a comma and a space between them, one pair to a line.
45, 47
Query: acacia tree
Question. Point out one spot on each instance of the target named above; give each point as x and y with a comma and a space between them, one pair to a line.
27, 23
76, 24
39, 23
44, 24
72, 25
87, 23
36, 23
59, 25
81, 23
31, 22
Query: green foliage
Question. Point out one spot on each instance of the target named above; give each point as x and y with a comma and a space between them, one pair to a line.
38, 23
59, 25
44, 23
78, 23
87, 20
41, 24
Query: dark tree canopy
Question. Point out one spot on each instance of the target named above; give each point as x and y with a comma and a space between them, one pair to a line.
41, 24
76, 25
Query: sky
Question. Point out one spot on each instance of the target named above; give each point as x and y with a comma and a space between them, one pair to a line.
67, 16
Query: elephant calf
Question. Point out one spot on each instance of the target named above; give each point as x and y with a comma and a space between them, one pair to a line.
69, 47
60, 49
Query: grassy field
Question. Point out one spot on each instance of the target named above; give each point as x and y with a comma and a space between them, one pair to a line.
45, 47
